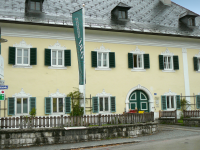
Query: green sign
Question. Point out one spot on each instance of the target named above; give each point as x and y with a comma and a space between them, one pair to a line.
77, 18
2, 97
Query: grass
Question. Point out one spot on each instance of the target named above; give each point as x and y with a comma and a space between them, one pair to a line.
180, 121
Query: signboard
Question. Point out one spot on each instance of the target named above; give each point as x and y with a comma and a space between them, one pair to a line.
2, 82
2, 95
77, 18
3, 87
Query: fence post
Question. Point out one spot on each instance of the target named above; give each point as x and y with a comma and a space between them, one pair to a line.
61, 120
183, 113
159, 114
21, 122
175, 116
99, 119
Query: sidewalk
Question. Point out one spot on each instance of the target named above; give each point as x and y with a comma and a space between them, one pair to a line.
165, 132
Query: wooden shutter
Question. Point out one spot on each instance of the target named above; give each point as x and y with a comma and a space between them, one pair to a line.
112, 104
176, 62
198, 101
195, 63
32, 102
94, 59
130, 60
95, 104
67, 57
178, 102
164, 102
67, 105
47, 57
11, 106
11, 55
33, 56
146, 61
47, 105
111, 59
161, 63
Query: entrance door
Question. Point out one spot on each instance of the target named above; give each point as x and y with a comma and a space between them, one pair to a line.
139, 99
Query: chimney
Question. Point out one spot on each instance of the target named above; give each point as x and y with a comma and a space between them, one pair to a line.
166, 2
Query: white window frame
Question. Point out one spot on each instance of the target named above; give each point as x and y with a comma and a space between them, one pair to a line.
21, 95
170, 105
57, 95
102, 49
146, 106
170, 93
104, 104
19, 114
167, 53
137, 52
107, 60
167, 64
57, 58
16, 49
22, 45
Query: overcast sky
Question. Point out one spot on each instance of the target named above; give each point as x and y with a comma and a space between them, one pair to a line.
193, 5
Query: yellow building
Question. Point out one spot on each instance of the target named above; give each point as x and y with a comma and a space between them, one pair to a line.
140, 57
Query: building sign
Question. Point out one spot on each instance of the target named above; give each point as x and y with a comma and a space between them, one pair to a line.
3, 87
2, 95
77, 18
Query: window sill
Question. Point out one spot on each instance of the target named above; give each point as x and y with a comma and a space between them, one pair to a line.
107, 69
138, 70
168, 71
61, 68
198, 71
18, 66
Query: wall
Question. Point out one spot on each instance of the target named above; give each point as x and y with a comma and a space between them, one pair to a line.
34, 137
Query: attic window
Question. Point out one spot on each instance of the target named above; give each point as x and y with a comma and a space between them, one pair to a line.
122, 14
35, 6
191, 21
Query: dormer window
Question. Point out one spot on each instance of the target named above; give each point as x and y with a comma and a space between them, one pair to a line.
122, 14
35, 6
191, 22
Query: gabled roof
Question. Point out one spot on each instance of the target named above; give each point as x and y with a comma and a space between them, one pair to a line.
145, 16
123, 5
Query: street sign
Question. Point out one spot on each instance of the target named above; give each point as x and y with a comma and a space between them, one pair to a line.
2, 82
3, 87
2, 95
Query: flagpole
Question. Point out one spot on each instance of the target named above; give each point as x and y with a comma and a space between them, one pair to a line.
84, 54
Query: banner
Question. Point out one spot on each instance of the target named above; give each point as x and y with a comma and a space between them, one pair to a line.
77, 18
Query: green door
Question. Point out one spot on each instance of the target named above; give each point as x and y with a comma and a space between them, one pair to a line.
139, 99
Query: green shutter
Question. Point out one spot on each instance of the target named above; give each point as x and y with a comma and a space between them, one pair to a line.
47, 57
67, 105
163, 102
176, 62
11, 55
67, 57
195, 63
111, 59
178, 102
11, 106
161, 63
94, 59
47, 105
33, 56
95, 104
32, 102
130, 60
146, 61
112, 104
198, 101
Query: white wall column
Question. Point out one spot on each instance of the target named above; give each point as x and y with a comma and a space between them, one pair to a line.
186, 74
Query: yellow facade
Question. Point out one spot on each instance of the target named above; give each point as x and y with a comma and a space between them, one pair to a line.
40, 81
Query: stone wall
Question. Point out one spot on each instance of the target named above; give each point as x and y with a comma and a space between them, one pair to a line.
34, 137
166, 120
193, 122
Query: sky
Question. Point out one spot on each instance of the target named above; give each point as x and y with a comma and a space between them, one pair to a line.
193, 5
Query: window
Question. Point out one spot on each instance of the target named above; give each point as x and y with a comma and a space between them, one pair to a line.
35, 6
57, 105
103, 103
170, 102
138, 61
196, 61
168, 62
122, 14
103, 60
191, 21
21, 104
22, 57
57, 58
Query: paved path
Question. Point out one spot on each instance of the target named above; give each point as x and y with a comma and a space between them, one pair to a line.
166, 132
